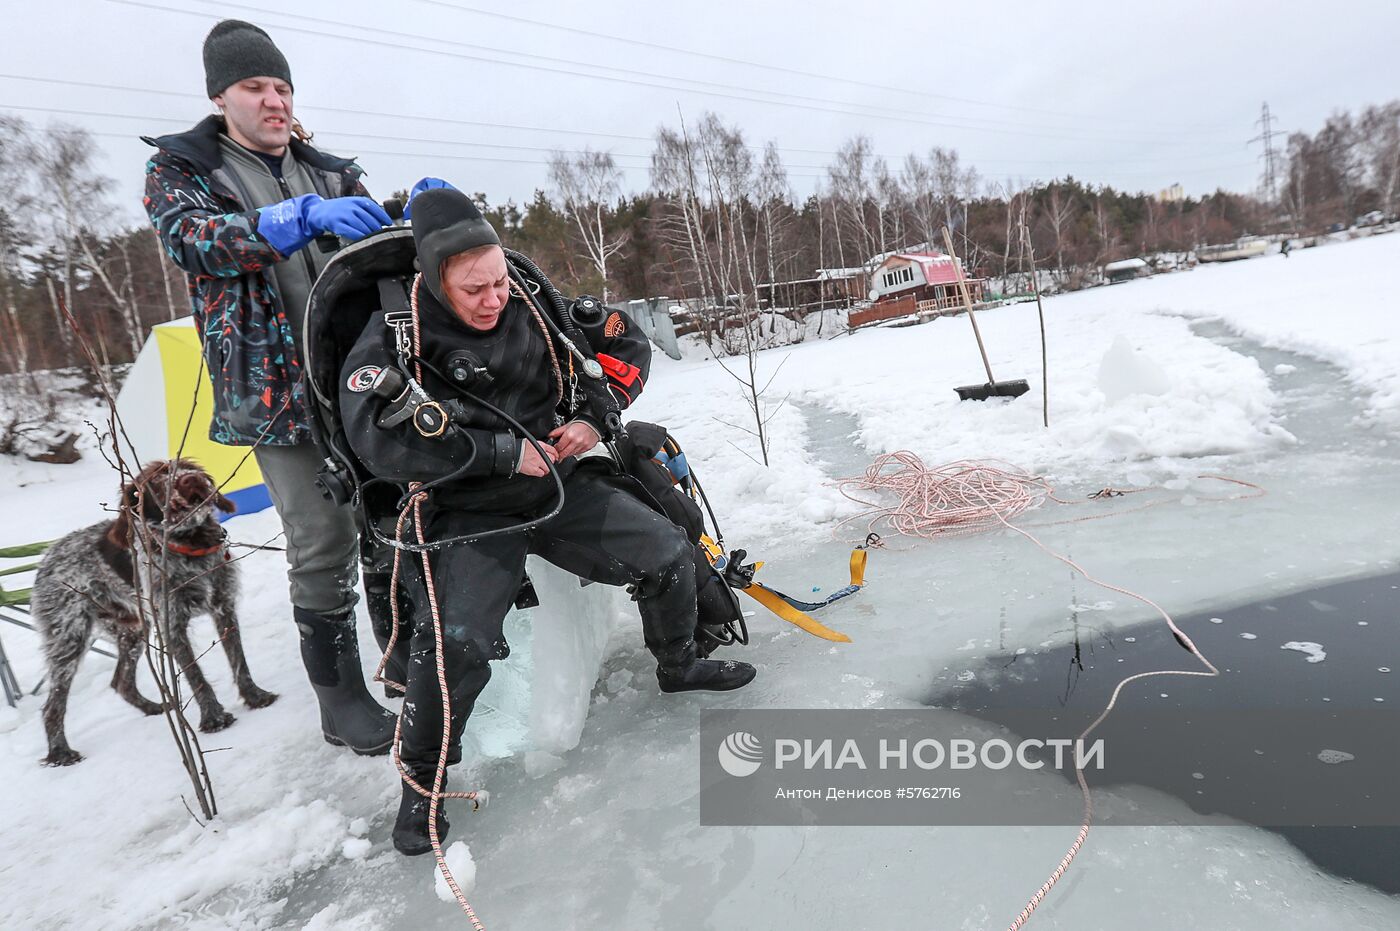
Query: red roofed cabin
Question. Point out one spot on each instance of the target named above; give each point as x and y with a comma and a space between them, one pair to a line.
923, 283
924, 276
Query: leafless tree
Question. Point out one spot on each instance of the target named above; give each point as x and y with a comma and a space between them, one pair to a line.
167, 267
1059, 213
1338, 139
79, 211
921, 194
1378, 133
717, 198
14, 181
890, 206
771, 194
675, 174
589, 184
1009, 201
954, 186
851, 176
1296, 189
1105, 231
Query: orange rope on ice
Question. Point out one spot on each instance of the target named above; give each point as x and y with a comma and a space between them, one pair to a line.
968, 497
958, 498
1181, 637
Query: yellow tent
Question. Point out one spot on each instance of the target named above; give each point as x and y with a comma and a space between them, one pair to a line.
166, 405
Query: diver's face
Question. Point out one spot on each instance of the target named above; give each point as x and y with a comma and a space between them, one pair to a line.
477, 285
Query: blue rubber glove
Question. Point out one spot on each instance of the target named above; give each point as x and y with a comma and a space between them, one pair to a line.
290, 224
424, 184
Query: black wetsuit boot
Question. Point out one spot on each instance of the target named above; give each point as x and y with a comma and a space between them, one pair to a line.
683, 672
350, 717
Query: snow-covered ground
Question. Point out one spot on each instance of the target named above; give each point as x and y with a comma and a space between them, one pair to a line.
1284, 372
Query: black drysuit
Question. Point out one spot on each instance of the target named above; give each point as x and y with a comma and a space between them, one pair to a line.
605, 532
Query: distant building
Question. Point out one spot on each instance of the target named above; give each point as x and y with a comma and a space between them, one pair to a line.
843, 283
1246, 247
1172, 195
1126, 270
830, 287
922, 284
924, 276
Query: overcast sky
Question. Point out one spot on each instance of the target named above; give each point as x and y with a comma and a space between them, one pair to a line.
1136, 95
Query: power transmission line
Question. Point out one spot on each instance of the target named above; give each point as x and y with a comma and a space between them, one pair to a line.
725, 59
397, 138
483, 124
513, 160
815, 104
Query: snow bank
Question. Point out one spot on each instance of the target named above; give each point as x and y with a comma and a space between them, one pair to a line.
1336, 302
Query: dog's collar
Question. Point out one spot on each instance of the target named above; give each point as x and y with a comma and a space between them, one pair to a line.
195, 552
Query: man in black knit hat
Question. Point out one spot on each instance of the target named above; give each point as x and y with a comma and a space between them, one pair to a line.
239, 202
491, 476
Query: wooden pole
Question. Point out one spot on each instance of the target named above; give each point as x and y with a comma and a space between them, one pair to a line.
1040, 309
967, 303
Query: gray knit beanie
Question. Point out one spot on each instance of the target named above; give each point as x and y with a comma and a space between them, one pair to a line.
235, 50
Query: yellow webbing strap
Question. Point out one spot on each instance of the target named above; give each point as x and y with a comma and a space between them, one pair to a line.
778, 604
787, 612
858, 567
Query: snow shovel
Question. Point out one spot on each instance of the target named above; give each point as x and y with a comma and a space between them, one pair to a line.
993, 388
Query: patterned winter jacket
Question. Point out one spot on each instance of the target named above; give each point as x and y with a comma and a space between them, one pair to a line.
259, 393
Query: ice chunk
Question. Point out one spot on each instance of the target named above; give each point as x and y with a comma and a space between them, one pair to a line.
1314, 651
463, 867
1125, 371
619, 680
355, 848
539, 763
1335, 756
336, 918
569, 632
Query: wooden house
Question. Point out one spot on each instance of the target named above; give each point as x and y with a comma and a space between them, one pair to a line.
922, 283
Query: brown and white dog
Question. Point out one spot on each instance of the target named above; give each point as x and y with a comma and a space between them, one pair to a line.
167, 537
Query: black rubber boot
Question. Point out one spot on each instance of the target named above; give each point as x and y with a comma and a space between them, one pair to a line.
411, 826
686, 673
350, 717
381, 620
